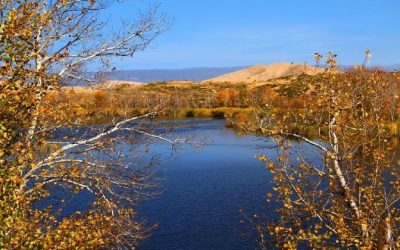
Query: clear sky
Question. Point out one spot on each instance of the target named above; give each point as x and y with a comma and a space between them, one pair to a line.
220, 33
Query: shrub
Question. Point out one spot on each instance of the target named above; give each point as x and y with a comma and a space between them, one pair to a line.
190, 113
218, 114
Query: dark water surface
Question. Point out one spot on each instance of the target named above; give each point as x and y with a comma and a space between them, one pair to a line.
204, 190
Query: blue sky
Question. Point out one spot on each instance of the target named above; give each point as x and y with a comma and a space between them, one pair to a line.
220, 33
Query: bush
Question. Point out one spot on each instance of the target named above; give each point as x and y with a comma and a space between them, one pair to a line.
218, 114
190, 113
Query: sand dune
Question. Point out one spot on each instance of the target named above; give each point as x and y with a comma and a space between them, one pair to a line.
259, 73
115, 83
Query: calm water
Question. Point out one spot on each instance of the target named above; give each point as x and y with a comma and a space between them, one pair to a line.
204, 190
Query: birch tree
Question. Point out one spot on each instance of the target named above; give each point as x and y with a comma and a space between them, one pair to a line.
342, 188
44, 44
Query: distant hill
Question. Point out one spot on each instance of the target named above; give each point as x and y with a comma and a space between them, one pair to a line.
159, 75
259, 73
393, 67
115, 83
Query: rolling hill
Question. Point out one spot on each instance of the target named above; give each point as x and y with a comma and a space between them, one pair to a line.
114, 83
158, 75
260, 73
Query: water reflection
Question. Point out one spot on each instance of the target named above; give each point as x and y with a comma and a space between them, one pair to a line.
204, 190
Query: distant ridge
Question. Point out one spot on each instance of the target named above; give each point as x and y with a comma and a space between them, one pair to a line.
267, 72
393, 67
159, 75
257, 73
115, 83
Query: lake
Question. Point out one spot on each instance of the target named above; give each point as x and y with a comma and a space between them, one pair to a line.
204, 190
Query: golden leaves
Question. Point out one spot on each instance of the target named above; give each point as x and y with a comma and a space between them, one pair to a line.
356, 114
25, 79
317, 57
279, 229
262, 157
